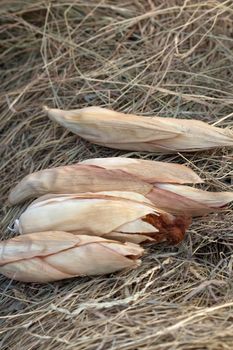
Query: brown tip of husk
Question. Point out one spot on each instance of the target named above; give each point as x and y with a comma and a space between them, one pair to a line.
171, 231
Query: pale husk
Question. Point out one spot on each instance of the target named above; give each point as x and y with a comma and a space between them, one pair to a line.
155, 180
179, 199
76, 178
54, 255
130, 132
206, 198
148, 170
102, 214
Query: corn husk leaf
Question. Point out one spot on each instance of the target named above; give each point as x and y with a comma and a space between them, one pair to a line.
54, 255
148, 170
133, 238
155, 180
102, 214
78, 178
191, 201
131, 132
212, 199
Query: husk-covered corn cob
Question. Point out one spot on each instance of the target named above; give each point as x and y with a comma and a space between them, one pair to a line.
130, 132
55, 255
167, 179
102, 174
78, 178
150, 171
158, 181
125, 216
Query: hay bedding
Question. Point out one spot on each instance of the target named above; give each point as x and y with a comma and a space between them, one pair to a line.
170, 58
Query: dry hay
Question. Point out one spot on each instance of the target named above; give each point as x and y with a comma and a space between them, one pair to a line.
170, 58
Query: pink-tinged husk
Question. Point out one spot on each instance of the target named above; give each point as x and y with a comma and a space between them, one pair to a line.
212, 199
101, 214
54, 255
148, 170
179, 199
132, 237
176, 199
78, 178
130, 132
155, 180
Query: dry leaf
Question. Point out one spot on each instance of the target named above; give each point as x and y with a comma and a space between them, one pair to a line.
55, 255
158, 181
191, 201
130, 132
78, 178
148, 170
103, 214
